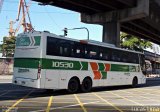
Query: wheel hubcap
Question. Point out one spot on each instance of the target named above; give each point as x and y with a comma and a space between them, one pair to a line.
73, 86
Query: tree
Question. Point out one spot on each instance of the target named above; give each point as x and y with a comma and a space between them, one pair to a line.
8, 46
0, 48
134, 43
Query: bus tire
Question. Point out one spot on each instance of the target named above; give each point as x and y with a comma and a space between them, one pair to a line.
86, 85
134, 82
73, 85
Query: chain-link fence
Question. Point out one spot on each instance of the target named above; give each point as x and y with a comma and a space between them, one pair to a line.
6, 66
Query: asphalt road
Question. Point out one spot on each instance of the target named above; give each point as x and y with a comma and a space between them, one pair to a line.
107, 99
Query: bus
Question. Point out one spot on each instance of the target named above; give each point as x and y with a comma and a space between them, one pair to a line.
48, 61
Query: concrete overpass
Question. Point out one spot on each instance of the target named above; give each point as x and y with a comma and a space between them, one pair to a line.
138, 17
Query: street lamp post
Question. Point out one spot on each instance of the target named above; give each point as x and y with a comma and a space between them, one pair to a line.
79, 28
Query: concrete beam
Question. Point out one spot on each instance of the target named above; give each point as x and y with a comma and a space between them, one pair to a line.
158, 2
142, 10
111, 33
128, 3
139, 33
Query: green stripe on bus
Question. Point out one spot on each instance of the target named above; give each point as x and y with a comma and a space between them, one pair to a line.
26, 63
117, 67
60, 64
51, 64
84, 65
69, 65
101, 66
104, 75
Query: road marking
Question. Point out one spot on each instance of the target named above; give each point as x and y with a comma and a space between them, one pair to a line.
126, 98
146, 93
17, 102
148, 90
29, 101
81, 104
67, 106
49, 104
74, 98
71, 102
140, 96
108, 102
64, 98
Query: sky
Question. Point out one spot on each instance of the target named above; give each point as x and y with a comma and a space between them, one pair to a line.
48, 18
52, 19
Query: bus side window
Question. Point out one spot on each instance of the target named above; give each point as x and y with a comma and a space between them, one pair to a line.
72, 49
78, 50
52, 46
64, 48
116, 55
124, 57
105, 54
135, 58
129, 57
91, 52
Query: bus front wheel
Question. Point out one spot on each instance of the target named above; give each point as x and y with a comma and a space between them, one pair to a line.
134, 82
86, 85
73, 85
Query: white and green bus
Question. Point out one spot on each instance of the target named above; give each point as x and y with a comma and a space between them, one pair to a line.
45, 60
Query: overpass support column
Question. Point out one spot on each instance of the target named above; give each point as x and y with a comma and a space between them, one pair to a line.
111, 33
111, 20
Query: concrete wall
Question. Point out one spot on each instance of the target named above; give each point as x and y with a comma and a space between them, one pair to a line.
6, 66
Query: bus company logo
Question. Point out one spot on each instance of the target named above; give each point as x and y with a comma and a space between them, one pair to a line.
62, 64
21, 70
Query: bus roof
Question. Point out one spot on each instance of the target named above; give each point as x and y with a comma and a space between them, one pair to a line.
91, 42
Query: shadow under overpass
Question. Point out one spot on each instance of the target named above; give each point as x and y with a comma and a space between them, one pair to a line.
15, 92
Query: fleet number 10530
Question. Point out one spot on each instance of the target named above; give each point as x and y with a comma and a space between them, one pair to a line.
62, 64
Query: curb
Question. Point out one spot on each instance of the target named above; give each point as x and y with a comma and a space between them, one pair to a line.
6, 76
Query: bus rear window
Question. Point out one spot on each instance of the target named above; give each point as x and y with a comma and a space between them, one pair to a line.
28, 41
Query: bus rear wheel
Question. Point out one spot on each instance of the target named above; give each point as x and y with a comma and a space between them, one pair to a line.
73, 85
134, 82
86, 85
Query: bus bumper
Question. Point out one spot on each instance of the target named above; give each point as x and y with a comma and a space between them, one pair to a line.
34, 83
143, 80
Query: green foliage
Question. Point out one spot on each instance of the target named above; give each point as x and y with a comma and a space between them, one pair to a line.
0, 48
133, 43
8, 46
